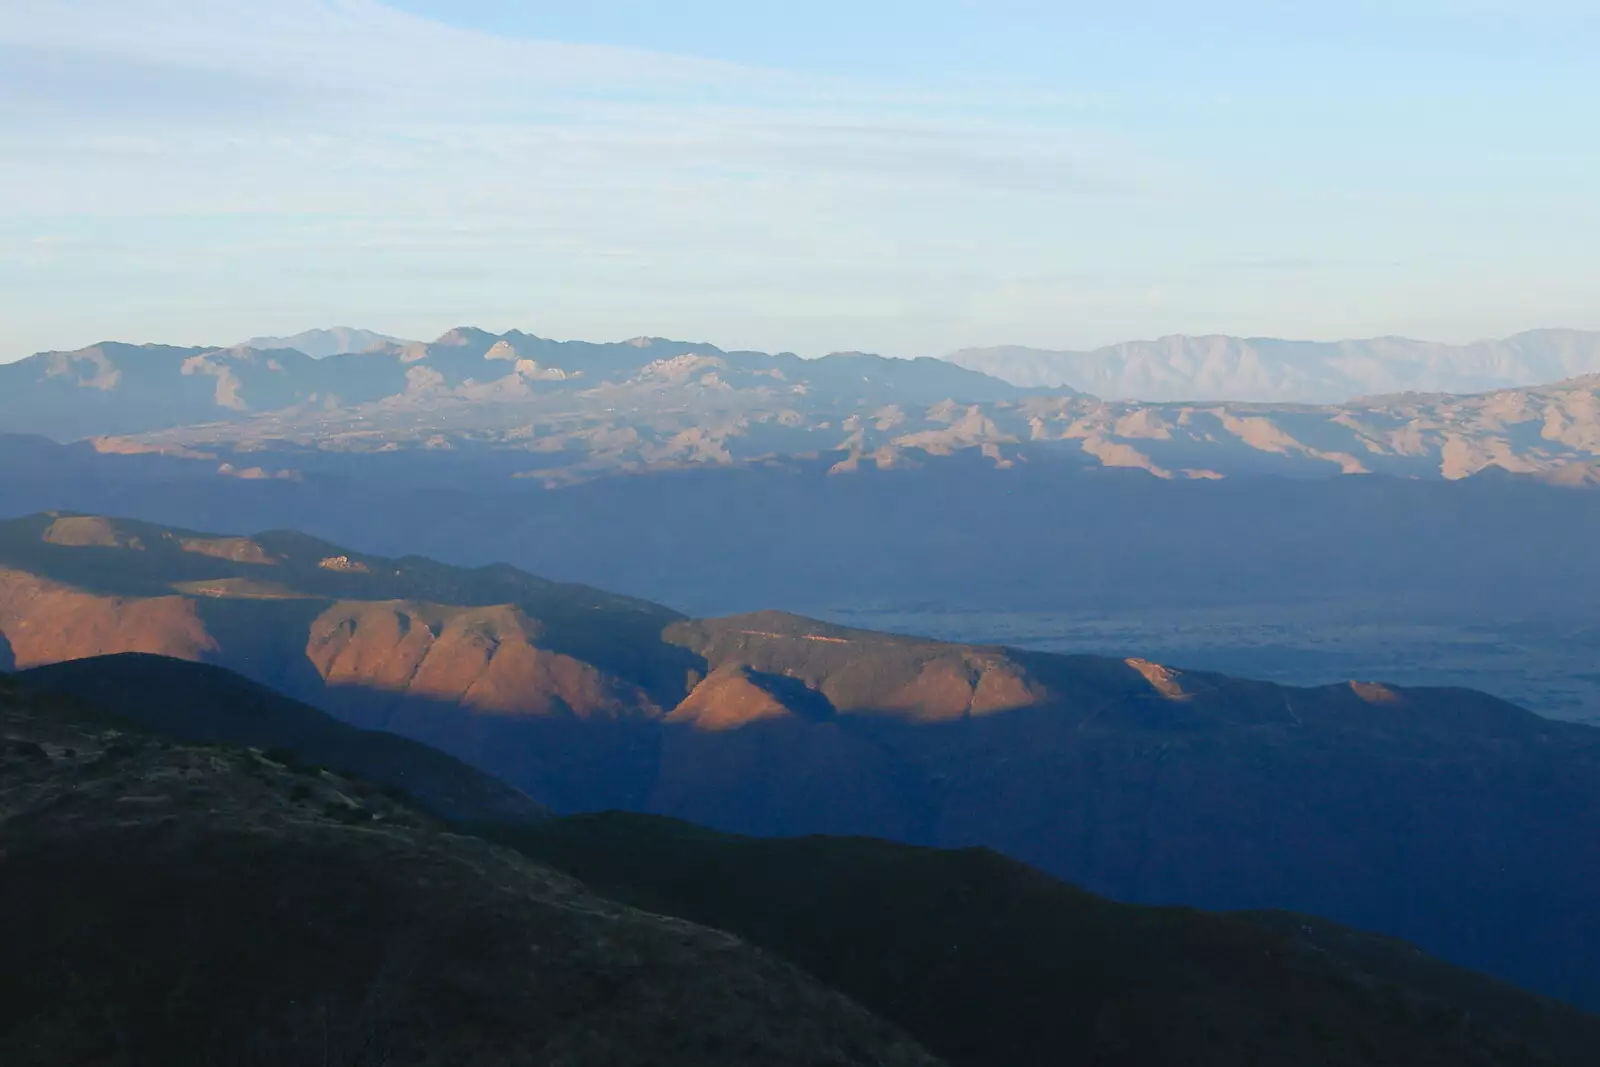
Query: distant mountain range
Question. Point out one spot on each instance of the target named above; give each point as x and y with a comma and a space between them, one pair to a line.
1428, 814
564, 412
115, 388
1270, 370
335, 341
690, 417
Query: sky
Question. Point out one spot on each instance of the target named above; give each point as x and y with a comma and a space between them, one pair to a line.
905, 178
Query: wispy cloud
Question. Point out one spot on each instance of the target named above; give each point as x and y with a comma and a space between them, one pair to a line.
360, 46
379, 153
238, 167
228, 105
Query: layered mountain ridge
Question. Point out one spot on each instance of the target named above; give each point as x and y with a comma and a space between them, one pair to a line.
556, 412
1485, 581
1140, 780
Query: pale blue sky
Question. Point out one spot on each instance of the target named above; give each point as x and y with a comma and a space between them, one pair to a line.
899, 177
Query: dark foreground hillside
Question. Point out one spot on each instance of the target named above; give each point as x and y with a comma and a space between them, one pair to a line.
168, 904
218, 706
991, 963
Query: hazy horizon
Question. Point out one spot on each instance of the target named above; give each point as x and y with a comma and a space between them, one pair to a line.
428, 337
941, 176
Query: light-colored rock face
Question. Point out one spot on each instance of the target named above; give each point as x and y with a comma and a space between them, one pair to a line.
483, 659
486, 660
90, 369
89, 531
229, 391
237, 549
47, 622
1376, 693
727, 699
1530, 431
1163, 680
845, 672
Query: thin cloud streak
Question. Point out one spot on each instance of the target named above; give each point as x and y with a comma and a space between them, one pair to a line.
217, 165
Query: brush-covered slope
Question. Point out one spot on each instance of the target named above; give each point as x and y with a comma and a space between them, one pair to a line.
165, 903
202, 704
992, 964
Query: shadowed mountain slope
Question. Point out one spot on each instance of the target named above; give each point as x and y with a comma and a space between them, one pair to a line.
202, 704
1429, 814
177, 904
992, 964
